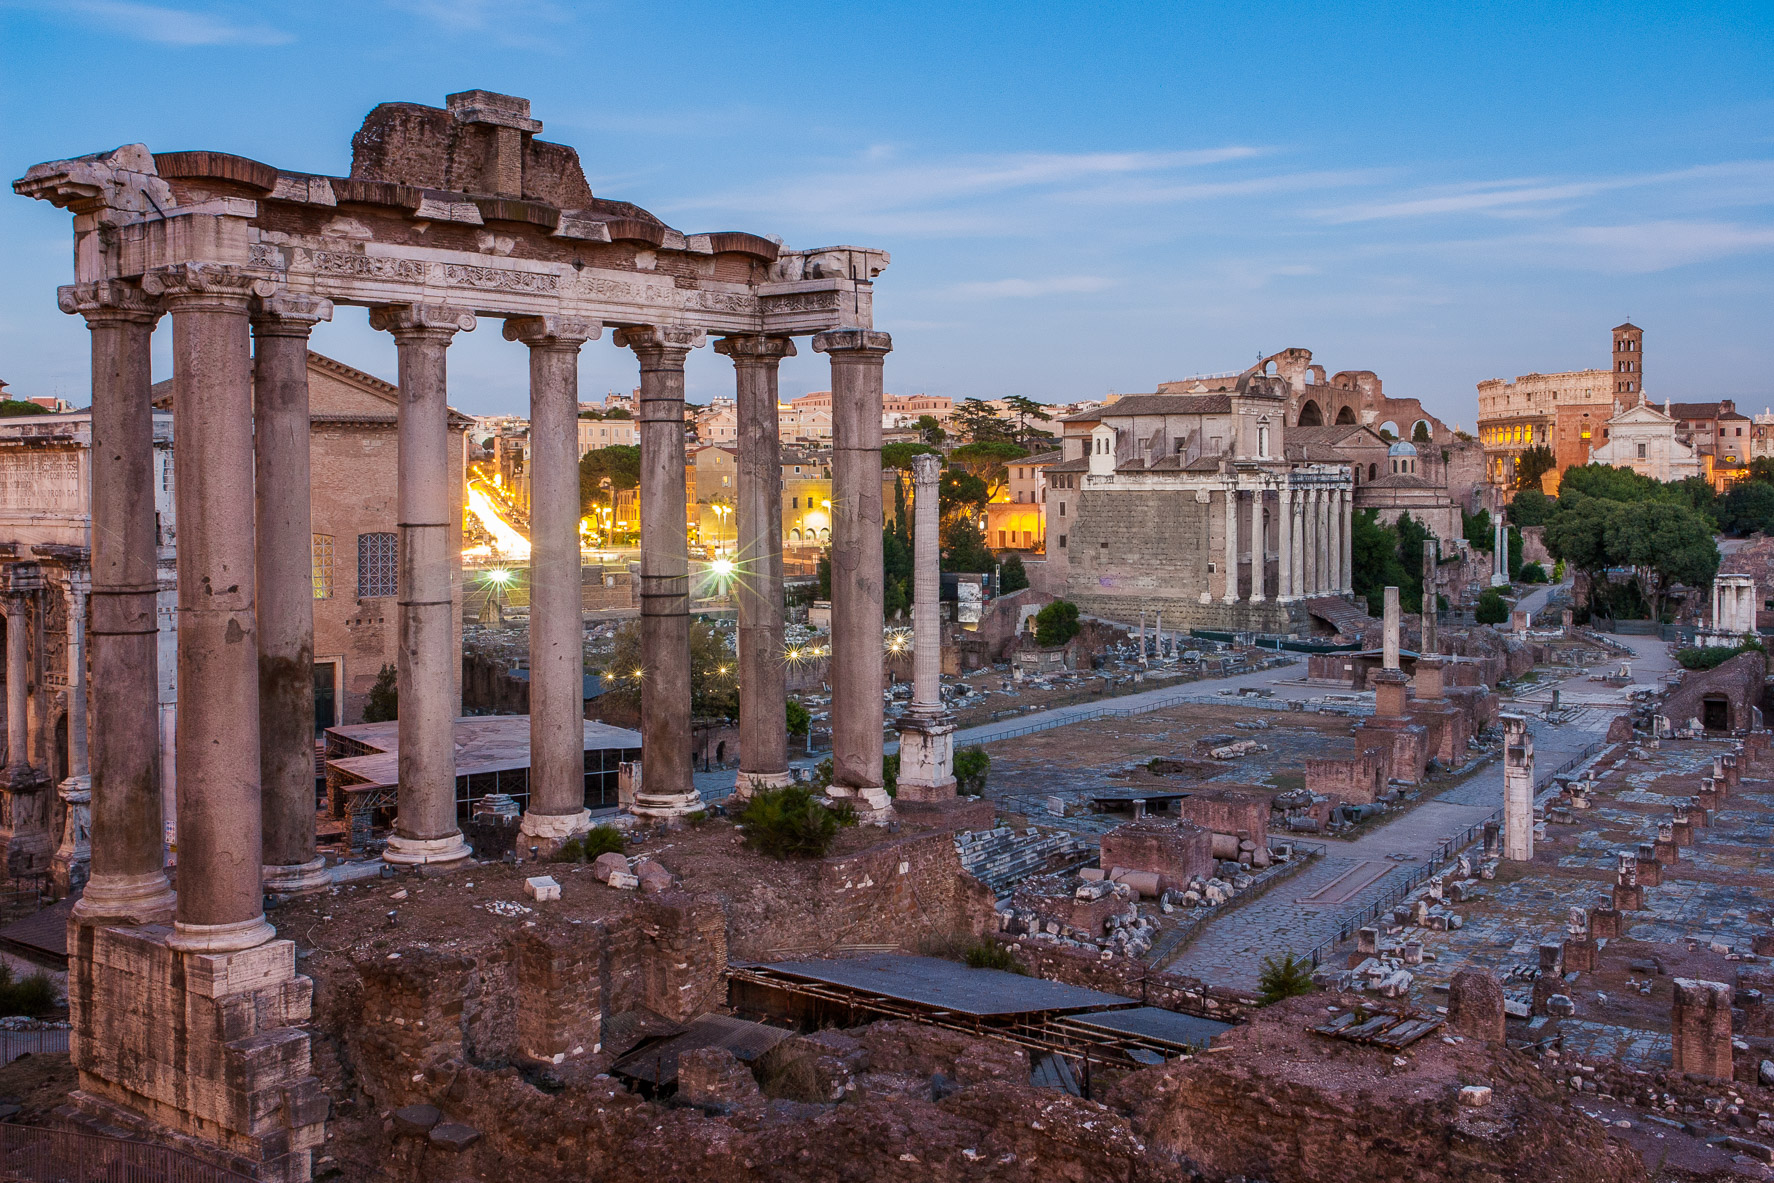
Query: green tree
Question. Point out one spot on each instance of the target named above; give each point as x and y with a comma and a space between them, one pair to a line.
1284, 977
1491, 608
614, 468
800, 720
791, 823
1612, 484
1374, 560
978, 423
1479, 530
1531, 507
961, 493
1420, 433
1012, 576
1412, 534
1057, 623
12, 408
1532, 464
964, 547
384, 701
1748, 507
896, 573
714, 683
1665, 544
1025, 413
930, 430
971, 766
1514, 557
823, 575
899, 454
989, 461
1577, 531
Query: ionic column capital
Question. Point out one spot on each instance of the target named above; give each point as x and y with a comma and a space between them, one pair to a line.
108, 301
926, 470
552, 332
438, 322
191, 287
289, 314
660, 345
864, 343
755, 350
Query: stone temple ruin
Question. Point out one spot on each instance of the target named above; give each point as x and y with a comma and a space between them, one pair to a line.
447, 215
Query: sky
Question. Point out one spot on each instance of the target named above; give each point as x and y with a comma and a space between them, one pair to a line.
1077, 198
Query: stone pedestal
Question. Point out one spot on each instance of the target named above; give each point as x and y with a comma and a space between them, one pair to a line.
1700, 1028
1604, 922
205, 1046
926, 757
1475, 1006
1579, 954
1629, 897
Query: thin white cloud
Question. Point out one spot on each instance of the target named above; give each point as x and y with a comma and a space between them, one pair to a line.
163, 25
1736, 181
1022, 289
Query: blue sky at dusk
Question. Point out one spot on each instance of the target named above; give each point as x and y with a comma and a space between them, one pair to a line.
1078, 198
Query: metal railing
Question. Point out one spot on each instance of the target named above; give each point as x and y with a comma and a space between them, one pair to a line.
30, 1154
48, 1041
1444, 854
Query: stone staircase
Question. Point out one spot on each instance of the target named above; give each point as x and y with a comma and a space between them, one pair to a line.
1340, 614
1001, 858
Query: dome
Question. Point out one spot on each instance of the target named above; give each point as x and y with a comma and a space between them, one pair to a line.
1402, 448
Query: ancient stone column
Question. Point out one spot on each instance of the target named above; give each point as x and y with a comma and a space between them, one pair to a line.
858, 659
1297, 560
1475, 1006
1389, 639
1309, 520
1327, 552
763, 676
128, 883
1431, 590
556, 810
221, 897
1284, 547
71, 864
1346, 542
1518, 789
24, 824
926, 730
1258, 543
284, 520
1700, 1028
425, 827
1231, 563
666, 790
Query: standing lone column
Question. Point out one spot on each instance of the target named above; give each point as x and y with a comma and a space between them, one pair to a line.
221, 847
128, 883
1231, 563
1518, 789
1284, 547
667, 789
1389, 637
281, 324
858, 659
926, 730
557, 809
1431, 596
763, 677
1259, 542
425, 827
72, 862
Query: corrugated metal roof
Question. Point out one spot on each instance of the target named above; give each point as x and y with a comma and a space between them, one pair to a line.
949, 985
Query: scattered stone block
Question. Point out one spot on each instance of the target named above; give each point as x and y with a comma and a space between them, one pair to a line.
608, 864
453, 1136
1476, 1006
1475, 1095
713, 1078
1561, 1006
416, 1121
624, 880
542, 887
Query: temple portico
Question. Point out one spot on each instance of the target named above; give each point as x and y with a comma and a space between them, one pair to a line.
244, 259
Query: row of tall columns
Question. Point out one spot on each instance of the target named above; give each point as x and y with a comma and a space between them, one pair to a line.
1313, 543
73, 856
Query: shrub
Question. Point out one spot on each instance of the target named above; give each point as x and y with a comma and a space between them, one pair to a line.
1286, 976
384, 700
34, 996
1714, 655
890, 774
792, 823
799, 718
971, 766
1532, 573
1056, 623
992, 955
589, 845
1491, 608
1012, 576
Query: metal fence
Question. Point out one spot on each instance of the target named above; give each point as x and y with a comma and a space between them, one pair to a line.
1447, 852
14, 1044
29, 1154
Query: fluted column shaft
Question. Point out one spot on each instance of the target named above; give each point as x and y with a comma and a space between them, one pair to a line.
1309, 522
221, 848
425, 825
927, 584
763, 676
858, 658
1284, 547
1327, 576
1258, 543
1231, 561
284, 520
556, 809
1346, 541
18, 656
127, 882
667, 789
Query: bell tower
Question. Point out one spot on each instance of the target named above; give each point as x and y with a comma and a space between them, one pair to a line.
1629, 364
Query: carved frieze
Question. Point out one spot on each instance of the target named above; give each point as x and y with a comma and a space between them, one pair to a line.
498, 278
828, 301
350, 263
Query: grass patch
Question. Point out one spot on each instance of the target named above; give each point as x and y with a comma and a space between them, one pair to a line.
587, 847
992, 955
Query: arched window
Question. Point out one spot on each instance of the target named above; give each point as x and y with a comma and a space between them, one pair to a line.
1373, 471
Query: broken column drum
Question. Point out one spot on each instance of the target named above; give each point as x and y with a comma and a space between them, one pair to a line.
1389, 642
214, 240
926, 730
1518, 789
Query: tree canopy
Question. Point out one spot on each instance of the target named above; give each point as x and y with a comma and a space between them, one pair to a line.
1532, 464
989, 461
714, 681
619, 464
1649, 528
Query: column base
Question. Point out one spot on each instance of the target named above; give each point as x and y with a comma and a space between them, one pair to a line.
236, 937
126, 899
414, 852
297, 878
747, 783
548, 832
25, 843
927, 755
667, 806
219, 1066
872, 804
